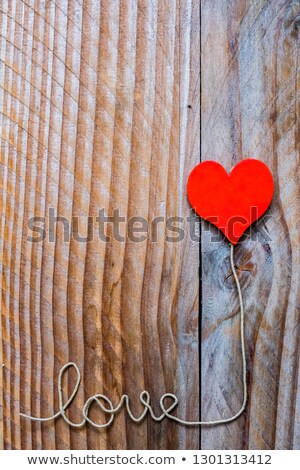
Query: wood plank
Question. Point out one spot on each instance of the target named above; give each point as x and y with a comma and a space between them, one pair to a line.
100, 110
250, 108
189, 249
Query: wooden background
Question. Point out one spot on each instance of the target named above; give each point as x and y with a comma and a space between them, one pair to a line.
100, 108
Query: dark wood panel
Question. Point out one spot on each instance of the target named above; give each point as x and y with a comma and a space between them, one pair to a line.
250, 108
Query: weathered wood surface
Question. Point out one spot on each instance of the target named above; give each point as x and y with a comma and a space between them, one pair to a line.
250, 108
100, 110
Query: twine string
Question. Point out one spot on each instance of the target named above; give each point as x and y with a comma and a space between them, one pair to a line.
144, 397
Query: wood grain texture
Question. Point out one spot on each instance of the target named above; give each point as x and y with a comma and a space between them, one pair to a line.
99, 110
250, 108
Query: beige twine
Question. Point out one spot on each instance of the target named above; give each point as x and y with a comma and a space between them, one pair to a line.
144, 396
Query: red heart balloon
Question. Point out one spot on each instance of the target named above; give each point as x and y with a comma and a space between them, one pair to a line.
232, 202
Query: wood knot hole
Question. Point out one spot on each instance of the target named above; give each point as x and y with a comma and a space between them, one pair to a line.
296, 27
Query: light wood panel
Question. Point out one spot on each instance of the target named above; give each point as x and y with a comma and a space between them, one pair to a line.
250, 108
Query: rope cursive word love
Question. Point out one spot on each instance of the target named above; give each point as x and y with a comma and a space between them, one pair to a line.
102, 400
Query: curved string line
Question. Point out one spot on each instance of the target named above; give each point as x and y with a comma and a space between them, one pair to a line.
145, 396
244, 363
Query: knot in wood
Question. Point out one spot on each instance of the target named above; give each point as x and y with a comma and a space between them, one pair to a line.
292, 25
296, 26
244, 268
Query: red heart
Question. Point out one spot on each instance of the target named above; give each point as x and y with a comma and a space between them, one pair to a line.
231, 202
